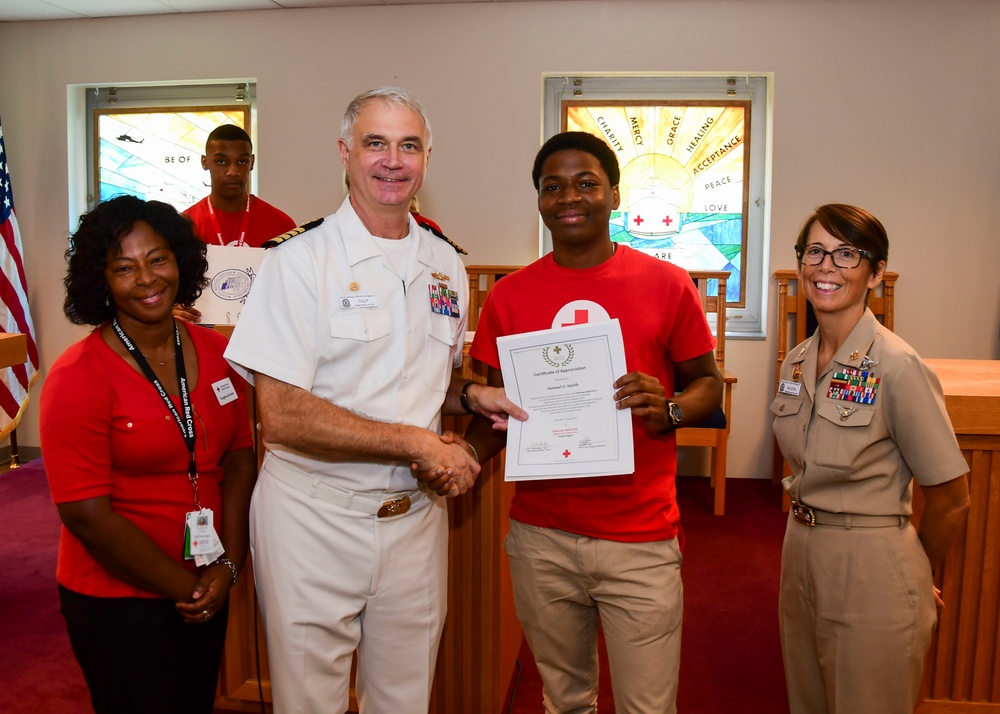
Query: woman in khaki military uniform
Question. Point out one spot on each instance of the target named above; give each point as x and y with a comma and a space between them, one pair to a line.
858, 415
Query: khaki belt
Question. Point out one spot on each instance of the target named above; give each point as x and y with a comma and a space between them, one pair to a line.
814, 517
383, 506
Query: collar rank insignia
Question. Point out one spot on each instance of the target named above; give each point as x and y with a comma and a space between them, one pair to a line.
434, 228
298, 230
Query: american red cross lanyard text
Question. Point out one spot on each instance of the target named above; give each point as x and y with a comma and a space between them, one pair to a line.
185, 422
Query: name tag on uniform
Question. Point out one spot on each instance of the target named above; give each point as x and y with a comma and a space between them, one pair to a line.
358, 301
224, 391
788, 387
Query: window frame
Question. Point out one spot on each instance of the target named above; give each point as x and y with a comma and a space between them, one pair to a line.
86, 101
748, 320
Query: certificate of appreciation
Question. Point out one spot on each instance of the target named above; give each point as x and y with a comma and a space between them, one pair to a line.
563, 378
231, 270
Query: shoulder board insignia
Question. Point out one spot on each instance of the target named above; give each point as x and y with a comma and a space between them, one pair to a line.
436, 230
292, 233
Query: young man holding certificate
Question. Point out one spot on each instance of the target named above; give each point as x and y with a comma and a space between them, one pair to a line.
605, 546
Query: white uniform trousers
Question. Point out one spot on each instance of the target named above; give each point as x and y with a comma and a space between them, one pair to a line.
331, 580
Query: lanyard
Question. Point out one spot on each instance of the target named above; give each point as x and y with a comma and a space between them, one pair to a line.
218, 230
186, 423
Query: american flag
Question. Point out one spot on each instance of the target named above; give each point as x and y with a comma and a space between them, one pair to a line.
14, 315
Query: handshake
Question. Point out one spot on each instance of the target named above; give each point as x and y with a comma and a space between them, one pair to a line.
456, 466
448, 464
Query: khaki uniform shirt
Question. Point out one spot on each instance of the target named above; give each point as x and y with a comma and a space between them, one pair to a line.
859, 458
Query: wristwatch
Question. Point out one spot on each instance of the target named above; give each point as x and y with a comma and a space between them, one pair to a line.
675, 414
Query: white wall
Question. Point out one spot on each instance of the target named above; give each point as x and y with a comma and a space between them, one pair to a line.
890, 104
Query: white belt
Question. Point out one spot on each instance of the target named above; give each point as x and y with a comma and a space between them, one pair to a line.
383, 506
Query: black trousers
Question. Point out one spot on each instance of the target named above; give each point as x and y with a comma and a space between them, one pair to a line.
139, 655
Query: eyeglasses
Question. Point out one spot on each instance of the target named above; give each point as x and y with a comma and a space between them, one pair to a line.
842, 257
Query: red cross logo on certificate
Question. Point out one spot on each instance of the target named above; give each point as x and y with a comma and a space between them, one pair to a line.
566, 454
667, 221
638, 220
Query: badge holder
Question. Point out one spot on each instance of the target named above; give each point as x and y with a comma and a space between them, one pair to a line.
201, 541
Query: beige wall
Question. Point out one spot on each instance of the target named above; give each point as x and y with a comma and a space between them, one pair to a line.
890, 104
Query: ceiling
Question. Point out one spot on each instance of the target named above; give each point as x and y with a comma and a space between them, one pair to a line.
23, 10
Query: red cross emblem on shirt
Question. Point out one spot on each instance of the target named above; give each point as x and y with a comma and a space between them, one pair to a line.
580, 317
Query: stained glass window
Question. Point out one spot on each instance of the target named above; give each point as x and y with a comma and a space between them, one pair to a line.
156, 153
683, 179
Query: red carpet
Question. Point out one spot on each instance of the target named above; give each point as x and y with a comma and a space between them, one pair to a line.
730, 661
730, 653
38, 674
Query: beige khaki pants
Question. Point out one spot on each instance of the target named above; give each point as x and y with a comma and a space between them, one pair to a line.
856, 613
566, 585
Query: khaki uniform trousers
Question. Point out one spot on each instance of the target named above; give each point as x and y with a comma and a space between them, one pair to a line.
566, 585
856, 611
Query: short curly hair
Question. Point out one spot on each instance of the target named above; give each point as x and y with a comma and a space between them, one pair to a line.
578, 141
101, 232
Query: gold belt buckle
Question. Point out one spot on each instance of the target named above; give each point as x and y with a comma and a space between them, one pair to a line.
803, 514
394, 508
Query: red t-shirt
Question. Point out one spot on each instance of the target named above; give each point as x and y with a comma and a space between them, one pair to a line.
662, 323
265, 223
106, 431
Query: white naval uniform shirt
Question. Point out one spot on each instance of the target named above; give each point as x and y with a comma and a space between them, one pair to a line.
304, 324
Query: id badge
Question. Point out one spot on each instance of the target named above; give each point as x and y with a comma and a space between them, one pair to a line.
200, 537
216, 552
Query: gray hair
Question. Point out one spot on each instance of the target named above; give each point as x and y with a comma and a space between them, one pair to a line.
390, 95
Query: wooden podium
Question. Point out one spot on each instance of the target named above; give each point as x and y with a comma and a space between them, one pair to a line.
13, 349
481, 636
13, 352
962, 671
